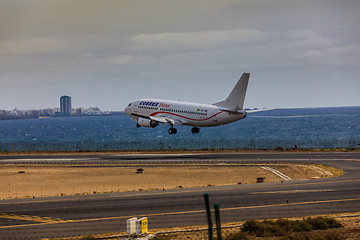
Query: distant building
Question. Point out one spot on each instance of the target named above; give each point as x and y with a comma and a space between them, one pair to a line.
93, 111
48, 112
80, 111
65, 107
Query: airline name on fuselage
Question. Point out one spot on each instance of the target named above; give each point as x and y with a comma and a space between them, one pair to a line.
154, 104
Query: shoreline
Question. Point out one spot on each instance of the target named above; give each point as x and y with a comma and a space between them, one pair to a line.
201, 151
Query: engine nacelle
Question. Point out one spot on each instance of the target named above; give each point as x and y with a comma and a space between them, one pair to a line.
143, 122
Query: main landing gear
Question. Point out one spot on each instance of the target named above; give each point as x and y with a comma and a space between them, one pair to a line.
195, 130
172, 130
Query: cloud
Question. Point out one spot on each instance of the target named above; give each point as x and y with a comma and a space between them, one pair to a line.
201, 40
314, 53
302, 34
122, 60
224, 50
36, 46
347, 49
125, 45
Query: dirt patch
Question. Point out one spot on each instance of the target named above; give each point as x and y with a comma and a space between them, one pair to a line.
28, 181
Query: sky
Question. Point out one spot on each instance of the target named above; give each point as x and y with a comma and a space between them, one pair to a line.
111, 52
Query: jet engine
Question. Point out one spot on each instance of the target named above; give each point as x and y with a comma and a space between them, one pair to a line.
143, 122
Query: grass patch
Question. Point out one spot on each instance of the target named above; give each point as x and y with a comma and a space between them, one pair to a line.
161, 237
287, 229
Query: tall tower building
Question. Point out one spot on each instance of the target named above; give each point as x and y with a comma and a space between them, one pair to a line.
65, 105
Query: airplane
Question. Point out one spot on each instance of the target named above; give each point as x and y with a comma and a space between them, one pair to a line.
151, 112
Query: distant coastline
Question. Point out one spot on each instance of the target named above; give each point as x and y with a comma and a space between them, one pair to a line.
95, 111
15, 117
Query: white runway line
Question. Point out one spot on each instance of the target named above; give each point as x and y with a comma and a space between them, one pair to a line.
322, 171
280, 174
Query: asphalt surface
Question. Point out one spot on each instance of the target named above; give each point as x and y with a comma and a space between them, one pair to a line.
93, 214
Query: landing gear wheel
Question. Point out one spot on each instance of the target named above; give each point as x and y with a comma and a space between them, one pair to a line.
195, 130
138, 125
172, 130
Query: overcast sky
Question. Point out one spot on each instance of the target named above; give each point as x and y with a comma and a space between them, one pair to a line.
108, 53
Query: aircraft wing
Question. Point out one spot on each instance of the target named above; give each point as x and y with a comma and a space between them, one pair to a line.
164, 120
167, 120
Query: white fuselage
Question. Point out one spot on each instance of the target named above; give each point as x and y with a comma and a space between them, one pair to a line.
183, 113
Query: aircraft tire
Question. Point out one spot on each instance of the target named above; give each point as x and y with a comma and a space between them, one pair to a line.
172, 131
195, 130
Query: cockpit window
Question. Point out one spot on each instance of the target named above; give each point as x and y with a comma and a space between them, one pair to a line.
129, 105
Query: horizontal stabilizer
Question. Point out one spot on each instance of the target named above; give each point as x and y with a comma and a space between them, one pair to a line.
260, 110
233, 111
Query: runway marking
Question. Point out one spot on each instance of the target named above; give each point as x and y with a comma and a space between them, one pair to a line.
218, 188
354, 160
31, 218
278, 173
201, 198
182, 212
294, 191
291, 204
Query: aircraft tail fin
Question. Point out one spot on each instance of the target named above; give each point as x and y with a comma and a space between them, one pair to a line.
237, 96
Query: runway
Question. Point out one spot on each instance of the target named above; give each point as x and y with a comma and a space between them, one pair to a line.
92, 214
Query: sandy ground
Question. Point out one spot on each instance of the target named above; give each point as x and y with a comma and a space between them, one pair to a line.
56, 181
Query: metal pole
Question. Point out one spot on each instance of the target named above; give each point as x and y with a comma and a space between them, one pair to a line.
208, 213
217, 220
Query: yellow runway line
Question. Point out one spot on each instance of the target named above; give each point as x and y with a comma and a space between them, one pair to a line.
31, 218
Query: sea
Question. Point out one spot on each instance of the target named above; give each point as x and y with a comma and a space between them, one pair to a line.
336, 127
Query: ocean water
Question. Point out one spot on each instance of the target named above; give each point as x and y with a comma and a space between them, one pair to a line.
303, 127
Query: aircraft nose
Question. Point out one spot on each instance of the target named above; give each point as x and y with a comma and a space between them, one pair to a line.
126, 110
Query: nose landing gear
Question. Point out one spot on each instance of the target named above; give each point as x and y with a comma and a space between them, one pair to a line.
195, 130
